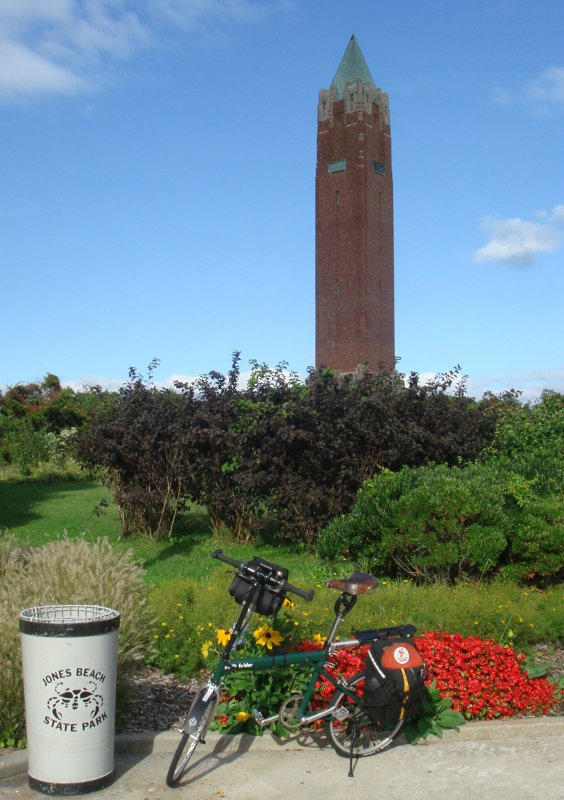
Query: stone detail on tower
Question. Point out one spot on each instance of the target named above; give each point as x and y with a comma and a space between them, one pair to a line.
354, 222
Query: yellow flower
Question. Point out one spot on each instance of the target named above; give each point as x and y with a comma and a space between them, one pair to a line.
223, 636
510, 634
241, 716
318, 638
205, 651
268, 637
288, 604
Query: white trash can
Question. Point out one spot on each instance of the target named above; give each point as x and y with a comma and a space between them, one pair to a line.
69, 655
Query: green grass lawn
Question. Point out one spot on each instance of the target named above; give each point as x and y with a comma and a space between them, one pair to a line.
36, 512
39, 512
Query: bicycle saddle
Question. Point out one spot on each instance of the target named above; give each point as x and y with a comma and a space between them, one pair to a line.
358, 583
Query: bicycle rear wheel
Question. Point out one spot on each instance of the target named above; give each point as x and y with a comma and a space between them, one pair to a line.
199, 717
356, 729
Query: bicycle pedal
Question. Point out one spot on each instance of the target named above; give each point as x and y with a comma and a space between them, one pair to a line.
341, 713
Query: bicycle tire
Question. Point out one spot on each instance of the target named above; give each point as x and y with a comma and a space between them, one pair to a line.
199, 721
368, 737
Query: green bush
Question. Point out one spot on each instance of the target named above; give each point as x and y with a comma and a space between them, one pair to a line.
536, 538
431, 522
358, 535
26, 447
446, 523
529, 441
67, 571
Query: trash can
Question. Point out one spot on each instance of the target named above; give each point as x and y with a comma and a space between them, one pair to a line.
69, 655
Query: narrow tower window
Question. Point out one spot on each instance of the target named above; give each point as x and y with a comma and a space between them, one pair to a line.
337, 166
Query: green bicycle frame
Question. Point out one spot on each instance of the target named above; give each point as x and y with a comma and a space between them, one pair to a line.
315, 659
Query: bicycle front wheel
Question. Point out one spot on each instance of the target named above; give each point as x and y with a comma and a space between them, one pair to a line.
199, 717
355, 732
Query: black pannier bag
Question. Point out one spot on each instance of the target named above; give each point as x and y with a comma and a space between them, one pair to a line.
395, 681
270, 599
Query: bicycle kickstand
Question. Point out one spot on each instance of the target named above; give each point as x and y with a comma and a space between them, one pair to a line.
354, 736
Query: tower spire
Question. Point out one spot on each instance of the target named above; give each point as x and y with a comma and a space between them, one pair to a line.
352, 69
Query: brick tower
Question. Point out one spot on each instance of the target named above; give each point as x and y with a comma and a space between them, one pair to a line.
354, 234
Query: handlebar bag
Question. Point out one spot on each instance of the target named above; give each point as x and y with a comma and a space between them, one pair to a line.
394, 686
271, 594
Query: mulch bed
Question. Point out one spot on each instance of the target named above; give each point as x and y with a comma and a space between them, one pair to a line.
157, 702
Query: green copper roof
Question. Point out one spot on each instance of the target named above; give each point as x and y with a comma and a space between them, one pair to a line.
352, 68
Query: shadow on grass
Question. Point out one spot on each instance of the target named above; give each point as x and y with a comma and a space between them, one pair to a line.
194, 522
21, 502
191, 530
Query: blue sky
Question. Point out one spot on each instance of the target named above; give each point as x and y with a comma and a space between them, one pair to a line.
157, 168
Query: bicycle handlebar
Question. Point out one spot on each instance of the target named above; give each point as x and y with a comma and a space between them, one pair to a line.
222, 557
286, 586
300, 592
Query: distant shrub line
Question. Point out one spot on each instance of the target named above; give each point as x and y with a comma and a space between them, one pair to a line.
278, 454
408, 479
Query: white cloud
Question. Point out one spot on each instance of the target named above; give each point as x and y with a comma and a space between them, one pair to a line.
544, 94
188, 14
25, 72
530, 384
517, 242
68, 46
60, 46
548, 88
557, 214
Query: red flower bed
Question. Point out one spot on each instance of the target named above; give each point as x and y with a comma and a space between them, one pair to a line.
483, 679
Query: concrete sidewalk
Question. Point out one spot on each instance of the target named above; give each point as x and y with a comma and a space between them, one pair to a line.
511, 759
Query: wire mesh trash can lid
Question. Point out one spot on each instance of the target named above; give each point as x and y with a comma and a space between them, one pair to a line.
68, 620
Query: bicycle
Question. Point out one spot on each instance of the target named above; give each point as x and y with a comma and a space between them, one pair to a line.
262, 586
